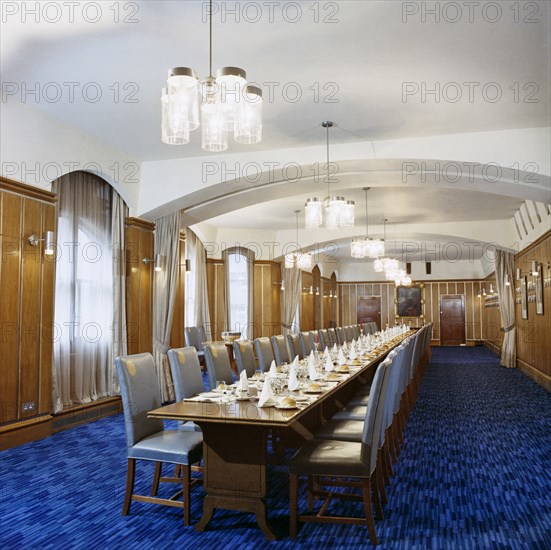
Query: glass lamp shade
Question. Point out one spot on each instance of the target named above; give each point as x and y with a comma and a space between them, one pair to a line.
172, 133
248, 117
348, 214
402, 278
231, 83
374, 248
313, 213
304, 260
183, 91
334, 212
213, 136
391, 267
378, 265
357, 248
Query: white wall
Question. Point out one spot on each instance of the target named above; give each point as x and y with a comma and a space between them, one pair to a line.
36, 149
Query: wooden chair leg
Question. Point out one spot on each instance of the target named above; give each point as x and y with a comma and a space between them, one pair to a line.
377, 498
186, 487
366, 492
130, 475
156, 478
293, 503
380, 479
178, 470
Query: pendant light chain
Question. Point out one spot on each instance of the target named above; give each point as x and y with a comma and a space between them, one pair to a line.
366, 189
210, 40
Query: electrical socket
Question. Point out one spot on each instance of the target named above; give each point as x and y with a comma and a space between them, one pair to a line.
26, 407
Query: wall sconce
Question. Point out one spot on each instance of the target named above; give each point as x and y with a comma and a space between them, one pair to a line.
479, 295
491, 288
519, 273
281, 284
534, 272
49, 242
507, 283
483, 292
317, 291
158, 261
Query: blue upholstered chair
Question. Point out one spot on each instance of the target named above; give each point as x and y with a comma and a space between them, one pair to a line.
146, 438
293, 344
195, 336
332, 334
341, 335
264, 352
324, 339
307, 343
281, 352
334, 459
218, 364
186, 377
244, 357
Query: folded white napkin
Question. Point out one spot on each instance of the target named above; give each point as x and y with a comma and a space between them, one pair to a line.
273, 369
353, 343
353, 355
243, 383
335, 349
328, 364
311, 360
267, 396
296, 362
312, 372
326, 352
292, 382
341, 359
360, 347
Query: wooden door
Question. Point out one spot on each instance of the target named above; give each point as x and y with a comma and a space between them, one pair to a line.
369, 310
452, 320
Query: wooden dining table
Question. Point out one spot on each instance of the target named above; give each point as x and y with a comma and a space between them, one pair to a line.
235, 439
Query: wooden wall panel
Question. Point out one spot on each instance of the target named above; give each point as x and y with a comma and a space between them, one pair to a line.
276, 300
307, 309
432, 291
177, 338
215, 282
140, 240
26, 312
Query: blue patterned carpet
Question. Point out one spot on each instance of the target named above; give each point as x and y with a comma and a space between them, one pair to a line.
475, 472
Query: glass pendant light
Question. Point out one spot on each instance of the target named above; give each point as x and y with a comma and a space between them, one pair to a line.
231, 85
367, 247
248, 121
303, 260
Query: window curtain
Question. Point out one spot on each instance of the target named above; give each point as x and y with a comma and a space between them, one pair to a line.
505, 265
292, 279
89, 290
197, 299
167, 243
248, 256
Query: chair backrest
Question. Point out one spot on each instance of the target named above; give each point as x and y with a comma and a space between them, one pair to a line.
140, 394
264, 352
218, 364
332, 334
406, 368
397, 356
348, 333
324, 339
294, 346
356, 331
280, 349
374, 416
341, 335
194, 337
244, 357
186, 372
305, 340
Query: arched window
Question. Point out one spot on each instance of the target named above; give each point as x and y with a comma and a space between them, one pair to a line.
239, 267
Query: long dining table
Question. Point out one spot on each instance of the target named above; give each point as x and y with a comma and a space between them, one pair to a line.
235, 438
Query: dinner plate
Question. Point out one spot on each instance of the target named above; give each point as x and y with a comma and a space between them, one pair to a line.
286, 407
312, 391
210, 395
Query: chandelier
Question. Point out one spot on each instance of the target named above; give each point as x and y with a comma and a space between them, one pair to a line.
367, 247
302, 260
402, 278
390, 266
227, 105
338, 211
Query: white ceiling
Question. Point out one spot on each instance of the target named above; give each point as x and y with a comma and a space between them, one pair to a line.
363, 59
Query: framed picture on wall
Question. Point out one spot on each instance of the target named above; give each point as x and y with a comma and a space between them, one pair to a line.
523, 298
409, 301
539, 290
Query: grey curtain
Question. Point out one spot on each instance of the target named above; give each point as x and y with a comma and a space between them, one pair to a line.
505, 264
248, 256
89, 290
292, 279
197, 299
167, 243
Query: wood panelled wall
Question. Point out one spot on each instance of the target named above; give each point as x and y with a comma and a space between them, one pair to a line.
307, 321
493, 336
475, 328
534, 333
140, 240
27, 283
216, 290
267, 299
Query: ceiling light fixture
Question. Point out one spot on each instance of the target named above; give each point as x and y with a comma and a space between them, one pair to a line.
390, 266
367, 247
302, 260
338, 211
228, 104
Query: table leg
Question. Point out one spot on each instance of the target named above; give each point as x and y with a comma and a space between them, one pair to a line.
235, 476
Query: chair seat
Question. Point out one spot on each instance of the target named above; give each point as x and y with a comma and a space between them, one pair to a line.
341, 430
358, 400
172, 446
329, 458
351, 413
188, 426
